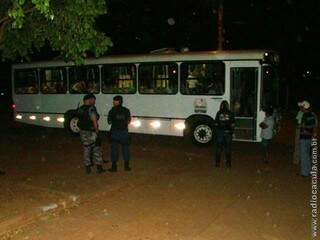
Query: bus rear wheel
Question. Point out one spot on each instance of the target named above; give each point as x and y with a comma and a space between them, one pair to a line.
202, 133
71, 123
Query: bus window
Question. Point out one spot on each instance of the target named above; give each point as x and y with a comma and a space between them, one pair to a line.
159, 78
53, 80
119, 78
84, 79
203, 78
270, 87
243, 89
26, 81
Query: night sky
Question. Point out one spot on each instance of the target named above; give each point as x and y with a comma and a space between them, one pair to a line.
290, 27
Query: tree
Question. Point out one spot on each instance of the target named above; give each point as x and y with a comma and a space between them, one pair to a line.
68, 26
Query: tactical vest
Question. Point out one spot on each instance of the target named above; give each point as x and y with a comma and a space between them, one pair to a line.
85, 122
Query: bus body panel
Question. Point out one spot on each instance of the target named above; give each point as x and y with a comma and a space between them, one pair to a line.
156, 114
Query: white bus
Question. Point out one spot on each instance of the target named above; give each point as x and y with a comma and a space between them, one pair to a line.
175, 94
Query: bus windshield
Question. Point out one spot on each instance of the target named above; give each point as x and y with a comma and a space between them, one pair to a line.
270, 87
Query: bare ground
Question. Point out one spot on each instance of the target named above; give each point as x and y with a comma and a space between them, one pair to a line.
173, 191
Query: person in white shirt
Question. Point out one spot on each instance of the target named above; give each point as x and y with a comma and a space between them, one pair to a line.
267, 133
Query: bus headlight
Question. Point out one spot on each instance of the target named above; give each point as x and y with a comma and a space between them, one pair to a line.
47, 119
32, 117
135, 123
19, 116
60, 119
180, 126
155, 124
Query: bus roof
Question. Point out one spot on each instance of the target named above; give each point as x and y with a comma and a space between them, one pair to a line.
231, 55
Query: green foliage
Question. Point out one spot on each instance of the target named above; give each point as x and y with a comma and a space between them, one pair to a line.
67, 25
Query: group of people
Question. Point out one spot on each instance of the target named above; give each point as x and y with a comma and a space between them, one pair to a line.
119, 117
306, 130
224, 130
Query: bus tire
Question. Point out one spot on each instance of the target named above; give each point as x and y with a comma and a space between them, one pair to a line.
71, 123
202, 133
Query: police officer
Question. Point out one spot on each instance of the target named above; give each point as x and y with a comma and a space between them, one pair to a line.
225, 124
89, 131
119, 117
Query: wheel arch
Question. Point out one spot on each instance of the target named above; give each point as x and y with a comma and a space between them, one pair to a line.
191, 120
68, 115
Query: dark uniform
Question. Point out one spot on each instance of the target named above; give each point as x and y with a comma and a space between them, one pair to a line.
88, 135
119, 117
224, 131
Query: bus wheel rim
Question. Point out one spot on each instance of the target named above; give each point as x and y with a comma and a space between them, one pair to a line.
74, 125
203, 133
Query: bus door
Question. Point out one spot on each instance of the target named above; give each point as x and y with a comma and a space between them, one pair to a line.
244, 100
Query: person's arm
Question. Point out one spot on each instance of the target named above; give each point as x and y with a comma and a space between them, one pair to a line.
95, 123
129, 116
263, 125
93, 115
233, 121
216, 120
110, 117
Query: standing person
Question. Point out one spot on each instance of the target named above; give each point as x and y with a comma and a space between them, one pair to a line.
307, 130
89, 131
225, 124
267, 133
296, 154
119, 117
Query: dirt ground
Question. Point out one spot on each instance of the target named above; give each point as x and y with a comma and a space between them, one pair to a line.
173, 192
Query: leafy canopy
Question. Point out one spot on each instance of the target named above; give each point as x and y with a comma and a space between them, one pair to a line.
68, 26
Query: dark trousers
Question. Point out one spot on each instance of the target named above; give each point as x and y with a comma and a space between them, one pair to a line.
266, 148
120, 137
223, 143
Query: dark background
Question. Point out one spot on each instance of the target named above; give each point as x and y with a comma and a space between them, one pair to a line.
290, 27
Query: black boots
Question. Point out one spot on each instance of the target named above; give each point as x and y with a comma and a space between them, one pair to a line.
126, 166
100, 169
228, 164
113, 168
88, 169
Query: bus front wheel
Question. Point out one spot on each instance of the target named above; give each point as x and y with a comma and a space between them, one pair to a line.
71, 123
202, 133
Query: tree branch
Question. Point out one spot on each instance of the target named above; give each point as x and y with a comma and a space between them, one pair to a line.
5, 20
2, 30
27, 11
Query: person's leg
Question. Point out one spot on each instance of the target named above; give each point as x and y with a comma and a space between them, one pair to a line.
227, 148
264, 146
114, 151
268, 150
305, 154
87, 140
126, 156
97, 158
124, 139
219, 147
87, 157
296, 154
